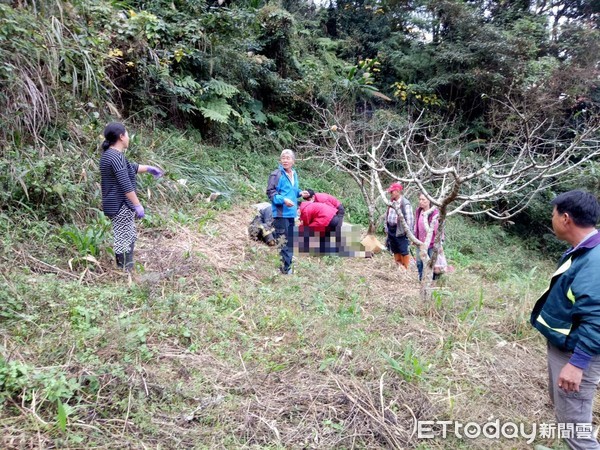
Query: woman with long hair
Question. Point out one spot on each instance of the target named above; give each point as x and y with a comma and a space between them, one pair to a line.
421, 230
119, 199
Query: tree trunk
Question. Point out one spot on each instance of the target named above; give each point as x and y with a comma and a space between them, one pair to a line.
426, 289
372, 219
372, 227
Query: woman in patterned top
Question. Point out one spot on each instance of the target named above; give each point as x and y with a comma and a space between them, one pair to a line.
119, 200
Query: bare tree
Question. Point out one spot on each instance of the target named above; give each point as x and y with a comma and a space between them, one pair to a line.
530, 151
350, 141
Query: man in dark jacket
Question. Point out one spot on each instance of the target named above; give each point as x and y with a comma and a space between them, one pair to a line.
568, 315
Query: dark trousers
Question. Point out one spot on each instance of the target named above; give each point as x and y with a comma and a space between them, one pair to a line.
333, 229
420, 263
284, 235
397, 244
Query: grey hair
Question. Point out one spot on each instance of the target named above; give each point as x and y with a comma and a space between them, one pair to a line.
287, 151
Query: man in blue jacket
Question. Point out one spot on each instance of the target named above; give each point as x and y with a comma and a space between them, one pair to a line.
283, 191
568, 315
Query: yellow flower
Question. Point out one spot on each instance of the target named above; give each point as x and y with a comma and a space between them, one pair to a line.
115, 52
130, 64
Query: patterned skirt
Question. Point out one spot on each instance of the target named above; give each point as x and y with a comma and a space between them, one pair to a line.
124, 229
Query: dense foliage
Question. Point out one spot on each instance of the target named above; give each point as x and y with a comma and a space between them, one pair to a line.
206, 347
243, 73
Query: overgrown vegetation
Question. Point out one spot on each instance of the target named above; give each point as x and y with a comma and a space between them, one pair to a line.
208, 346
240, 76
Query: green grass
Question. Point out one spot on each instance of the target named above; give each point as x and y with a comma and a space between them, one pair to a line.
215, 349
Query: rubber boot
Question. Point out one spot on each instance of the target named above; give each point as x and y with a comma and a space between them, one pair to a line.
120, 259
128, 259
405, 260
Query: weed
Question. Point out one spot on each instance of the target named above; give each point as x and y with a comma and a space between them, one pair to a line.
411, 368
83, 318
22, 381
224, 303
350, 312
87, 241
337, 426
205, 219
319, 303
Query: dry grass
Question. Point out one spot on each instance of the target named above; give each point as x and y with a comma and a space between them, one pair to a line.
283, 370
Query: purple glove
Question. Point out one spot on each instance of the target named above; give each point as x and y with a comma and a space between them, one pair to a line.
139, 211
155, 171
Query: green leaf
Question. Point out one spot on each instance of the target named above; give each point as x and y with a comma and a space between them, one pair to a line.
221, 88
186, 107
217, 110
351, 73
189, 83
61, 416
257, 109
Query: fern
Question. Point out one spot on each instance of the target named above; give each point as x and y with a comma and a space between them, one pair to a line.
189, 83
187, 108
216, 109
256, 107
221, 88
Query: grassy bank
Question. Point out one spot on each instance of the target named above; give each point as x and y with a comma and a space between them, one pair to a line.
208, 347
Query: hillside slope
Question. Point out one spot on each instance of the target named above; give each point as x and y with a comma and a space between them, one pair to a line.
209, 347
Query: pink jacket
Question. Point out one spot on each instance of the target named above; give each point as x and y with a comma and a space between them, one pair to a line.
420, 232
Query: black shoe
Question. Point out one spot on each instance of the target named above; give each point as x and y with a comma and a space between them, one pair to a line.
120, 258
128, 259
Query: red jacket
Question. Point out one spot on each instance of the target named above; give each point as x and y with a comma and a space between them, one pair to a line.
316, 216
321, 197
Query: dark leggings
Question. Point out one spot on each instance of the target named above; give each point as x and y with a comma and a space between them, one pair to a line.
420, 264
